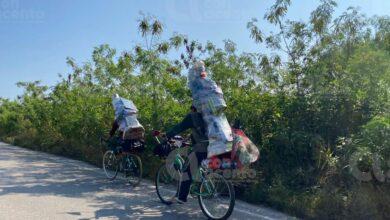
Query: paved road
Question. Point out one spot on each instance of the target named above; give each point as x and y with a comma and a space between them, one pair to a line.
36, 185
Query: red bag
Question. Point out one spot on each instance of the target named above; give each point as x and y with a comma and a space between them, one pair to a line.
244, 151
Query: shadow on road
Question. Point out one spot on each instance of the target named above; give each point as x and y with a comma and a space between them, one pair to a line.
37, 174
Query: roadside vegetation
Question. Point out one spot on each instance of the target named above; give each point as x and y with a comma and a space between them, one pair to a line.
317, 106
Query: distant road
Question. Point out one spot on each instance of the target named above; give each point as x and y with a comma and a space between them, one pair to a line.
36, 185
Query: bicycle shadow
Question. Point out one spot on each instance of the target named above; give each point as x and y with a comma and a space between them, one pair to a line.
39, 174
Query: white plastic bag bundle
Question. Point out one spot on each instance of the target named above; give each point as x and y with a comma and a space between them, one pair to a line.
126, 116
218, 127
207, 95
219, 134
123, 107
208, 99
129, 121
216, 148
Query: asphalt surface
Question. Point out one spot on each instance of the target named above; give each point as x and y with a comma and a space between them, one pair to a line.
36, 185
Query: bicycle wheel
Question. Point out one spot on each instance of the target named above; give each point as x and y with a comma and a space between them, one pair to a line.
216, 197
167, 183
110, 165
133, 169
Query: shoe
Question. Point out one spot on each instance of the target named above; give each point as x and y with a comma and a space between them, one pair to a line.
179, 201
172, 199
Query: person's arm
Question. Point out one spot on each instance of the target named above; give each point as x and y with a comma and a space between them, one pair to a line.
114, 127
182, 126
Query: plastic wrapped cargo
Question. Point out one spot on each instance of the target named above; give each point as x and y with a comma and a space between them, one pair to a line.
134, 133
207, 95
217, 147
211, 103
244, 151
219, 134
218, 128
123, 107
208, 99
126, 116
129, 121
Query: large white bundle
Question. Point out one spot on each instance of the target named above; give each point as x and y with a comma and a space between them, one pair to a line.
207, 95
129, 122
219, 134
218, 128
208, 99
123, 107
126, 117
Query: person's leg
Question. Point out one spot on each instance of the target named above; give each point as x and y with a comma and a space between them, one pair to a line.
184, 189
115, 143
186, 180
126, 145
195, 160
200, 156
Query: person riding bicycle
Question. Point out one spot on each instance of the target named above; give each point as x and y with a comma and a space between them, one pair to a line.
118, 138
127, 135
195, 122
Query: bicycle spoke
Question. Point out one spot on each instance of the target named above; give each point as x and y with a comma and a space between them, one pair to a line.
110, 165
133, 169
220, 202
166, 185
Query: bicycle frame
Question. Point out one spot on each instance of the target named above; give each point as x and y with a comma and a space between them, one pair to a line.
209, 186
205, 188
125, 157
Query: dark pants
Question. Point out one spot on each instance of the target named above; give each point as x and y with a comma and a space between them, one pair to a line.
195, 161
125, 144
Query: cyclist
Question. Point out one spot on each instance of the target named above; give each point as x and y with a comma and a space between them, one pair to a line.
195, 122
125, 143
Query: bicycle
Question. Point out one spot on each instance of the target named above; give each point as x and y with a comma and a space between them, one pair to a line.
115, 160
215, 194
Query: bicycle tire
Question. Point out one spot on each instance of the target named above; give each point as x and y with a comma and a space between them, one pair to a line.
111, 154
231, 202
138, 166
159, 175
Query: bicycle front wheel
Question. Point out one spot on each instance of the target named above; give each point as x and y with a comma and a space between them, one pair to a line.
110, 165
216, 197
167, 183
133, 169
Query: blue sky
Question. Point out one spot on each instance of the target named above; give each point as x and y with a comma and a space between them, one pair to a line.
37, 36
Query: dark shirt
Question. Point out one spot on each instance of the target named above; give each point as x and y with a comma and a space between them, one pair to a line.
114, 128
195, 122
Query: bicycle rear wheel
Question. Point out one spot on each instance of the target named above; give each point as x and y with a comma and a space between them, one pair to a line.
133, 169
110, 165
167, 183
216, 197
